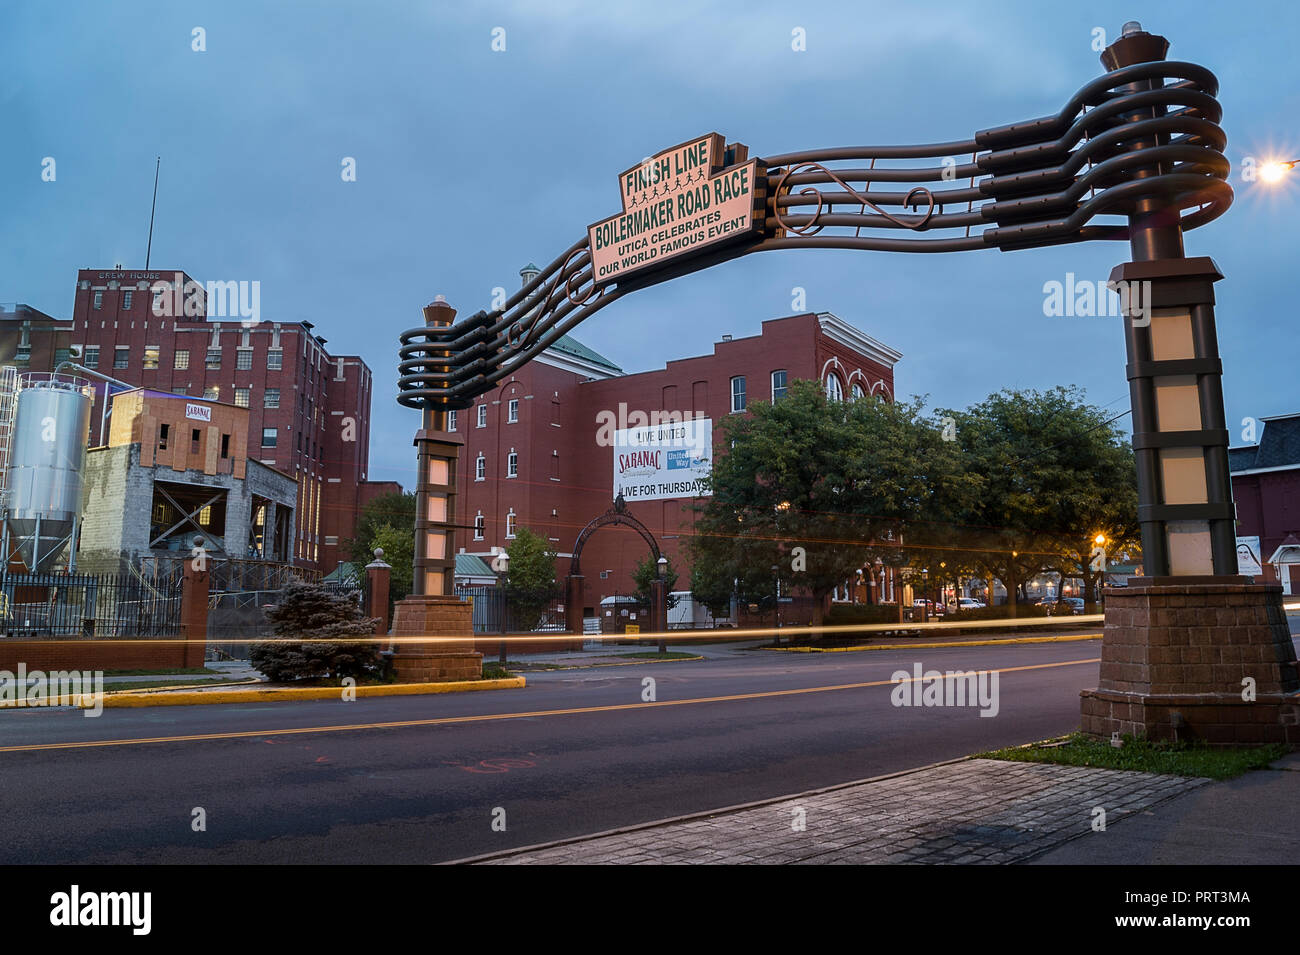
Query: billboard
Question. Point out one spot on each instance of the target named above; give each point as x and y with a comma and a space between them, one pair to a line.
1248, 557
663, 460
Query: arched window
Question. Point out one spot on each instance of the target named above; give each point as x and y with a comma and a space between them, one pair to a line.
834, 390
480, 525
856, 391
480, 468
510, 523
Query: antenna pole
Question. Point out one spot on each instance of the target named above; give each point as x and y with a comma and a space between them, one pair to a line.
149, 248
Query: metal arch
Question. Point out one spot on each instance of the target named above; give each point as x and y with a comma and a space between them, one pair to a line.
1112, 148
617, 514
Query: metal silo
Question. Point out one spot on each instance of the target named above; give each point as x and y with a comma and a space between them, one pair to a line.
47, 458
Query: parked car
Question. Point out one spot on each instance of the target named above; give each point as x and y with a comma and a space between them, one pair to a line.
965, 603
1066, 606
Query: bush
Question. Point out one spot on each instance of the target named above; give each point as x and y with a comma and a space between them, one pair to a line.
310, 623
846, 614
1000, 612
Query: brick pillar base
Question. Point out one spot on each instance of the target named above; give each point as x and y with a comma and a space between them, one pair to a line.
1175, 653
441, 661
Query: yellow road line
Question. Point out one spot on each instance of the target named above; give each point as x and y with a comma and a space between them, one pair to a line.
482, 718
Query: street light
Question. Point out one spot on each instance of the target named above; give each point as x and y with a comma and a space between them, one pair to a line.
1276, 170
776, 604
661, 603
503, 561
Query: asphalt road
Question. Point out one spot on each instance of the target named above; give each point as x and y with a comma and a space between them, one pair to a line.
430, 791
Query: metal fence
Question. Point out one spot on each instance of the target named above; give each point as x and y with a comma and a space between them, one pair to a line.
87, 606
228, 575
236, 620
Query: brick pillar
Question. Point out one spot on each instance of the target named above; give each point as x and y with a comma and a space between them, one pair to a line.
378, 575
574, 596
194, 612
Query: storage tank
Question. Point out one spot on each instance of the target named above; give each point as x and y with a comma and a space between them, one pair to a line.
47, 461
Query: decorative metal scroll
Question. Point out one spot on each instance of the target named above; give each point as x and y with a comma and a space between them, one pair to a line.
1141, 135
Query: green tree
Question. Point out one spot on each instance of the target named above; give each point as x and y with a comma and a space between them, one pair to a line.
647, 570
394, 510
820, 487
398, 545
530, 582
312, 625
1052, 472
711, 586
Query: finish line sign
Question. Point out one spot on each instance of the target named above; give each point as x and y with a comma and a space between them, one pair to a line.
676, 203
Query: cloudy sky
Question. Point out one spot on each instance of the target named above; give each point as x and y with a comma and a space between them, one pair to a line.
470, 162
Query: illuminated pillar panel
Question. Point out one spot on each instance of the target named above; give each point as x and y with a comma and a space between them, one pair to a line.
1179, 433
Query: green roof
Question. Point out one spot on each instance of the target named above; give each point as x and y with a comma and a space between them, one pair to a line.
467, 565
571, 346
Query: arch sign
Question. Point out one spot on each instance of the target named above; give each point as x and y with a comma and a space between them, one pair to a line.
1136, 155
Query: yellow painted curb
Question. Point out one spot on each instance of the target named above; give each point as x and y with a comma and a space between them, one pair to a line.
927, 646
127, 699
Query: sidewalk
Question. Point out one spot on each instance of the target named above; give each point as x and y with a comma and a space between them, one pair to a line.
975, 811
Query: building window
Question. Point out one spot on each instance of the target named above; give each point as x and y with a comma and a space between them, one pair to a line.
126, 298
275, 359
778, 385
480, 526
244, 359
482, 416
856, 391
194, 441
512, 413
451, 421
163, 431
182, 360
512, 465
121, 356
510, 523
242, 396
212, 393
271, 399
225, 445
92, 356
834, 390
737, 394
151, 357
182, 390
480, 468
99, 301
205, 516
269, 436
214, 359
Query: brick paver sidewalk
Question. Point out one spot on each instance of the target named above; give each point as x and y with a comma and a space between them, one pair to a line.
973, 811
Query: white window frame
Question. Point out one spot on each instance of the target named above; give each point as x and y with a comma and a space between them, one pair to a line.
835, 391
784, 388
512, 464
480, 526
510, 523
512, 411
482, 416
735, 394
480, 467
451, 421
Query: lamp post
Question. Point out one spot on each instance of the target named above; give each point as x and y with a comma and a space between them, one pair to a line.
503, 561
776, 604
661, 602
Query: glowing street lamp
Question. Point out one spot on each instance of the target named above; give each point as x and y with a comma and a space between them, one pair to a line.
1276, 171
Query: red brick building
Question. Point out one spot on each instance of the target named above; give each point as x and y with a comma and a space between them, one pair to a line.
532, 459
309, 411
1266, 489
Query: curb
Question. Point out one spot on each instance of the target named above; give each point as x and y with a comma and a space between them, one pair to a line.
928, 646
707, 814
140, 699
